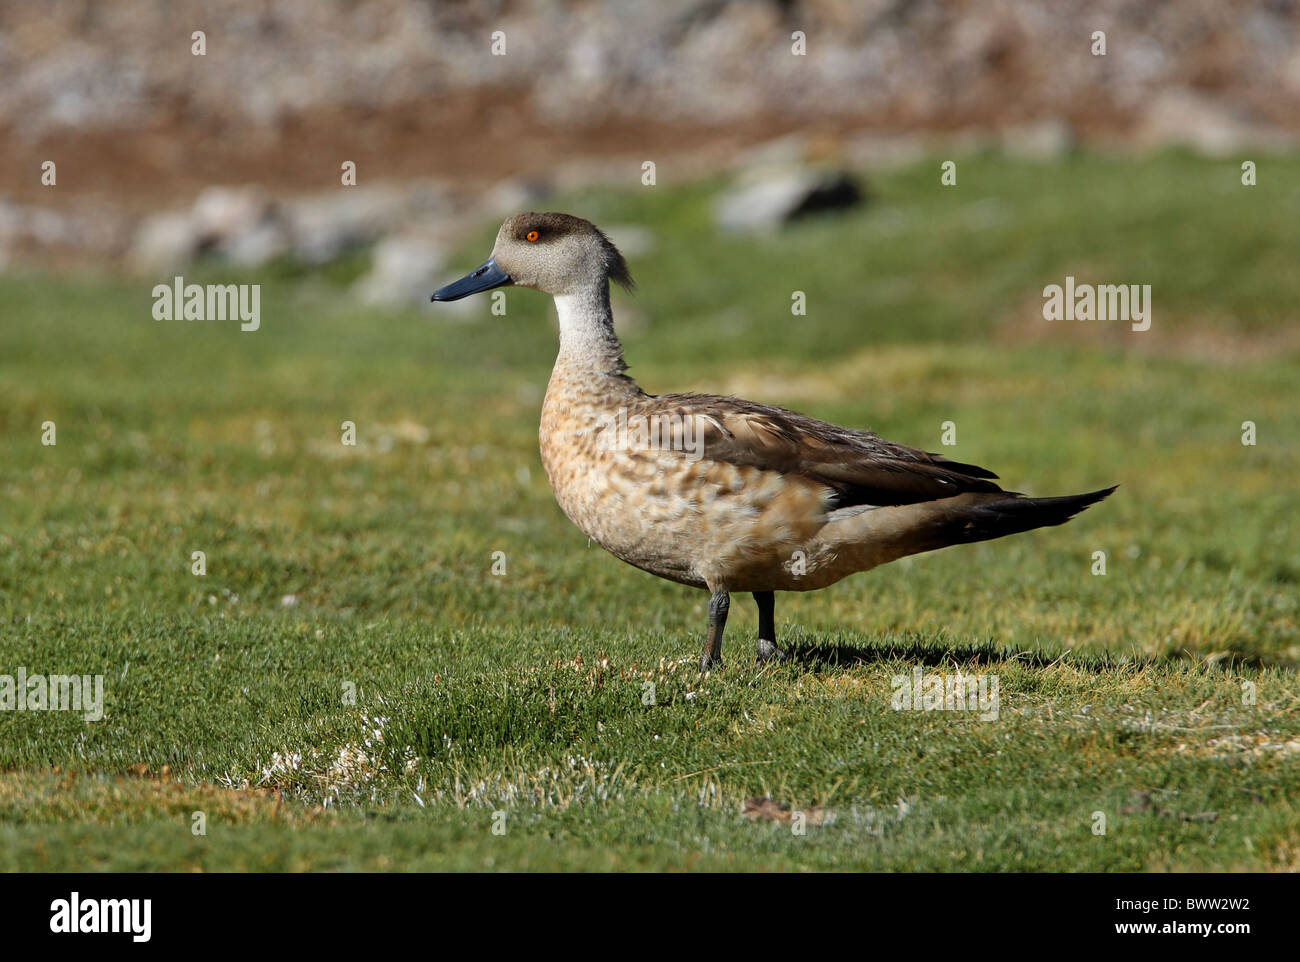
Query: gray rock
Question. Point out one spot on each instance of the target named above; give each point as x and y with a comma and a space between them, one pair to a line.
769, 198
255, 246
221, 213
1208, 126
1047, 139
325, 225
91, 229
406, 269
163, 241
244, 225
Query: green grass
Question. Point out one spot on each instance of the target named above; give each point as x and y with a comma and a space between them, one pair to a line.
523, 693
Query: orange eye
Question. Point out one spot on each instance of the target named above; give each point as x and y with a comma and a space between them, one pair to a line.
532, 236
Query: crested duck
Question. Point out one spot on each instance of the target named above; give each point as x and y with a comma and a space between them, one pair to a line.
717, 492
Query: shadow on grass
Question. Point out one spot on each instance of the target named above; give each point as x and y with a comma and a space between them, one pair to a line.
935, 654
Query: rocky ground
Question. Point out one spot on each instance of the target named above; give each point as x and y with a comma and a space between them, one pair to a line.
161, 154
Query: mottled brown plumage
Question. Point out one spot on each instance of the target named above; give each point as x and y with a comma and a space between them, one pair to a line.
718, 492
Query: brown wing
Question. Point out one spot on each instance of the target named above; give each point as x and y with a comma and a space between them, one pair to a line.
861, 467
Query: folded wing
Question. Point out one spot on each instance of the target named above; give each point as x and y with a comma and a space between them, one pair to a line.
858, 466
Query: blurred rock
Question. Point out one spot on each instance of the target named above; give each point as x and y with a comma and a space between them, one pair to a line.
9, 220
325, 225
406, 270
1211, 127
258, 244
238, 223
224, 212
1048, 139
243, 225
90, 229
587, 93
929, 62
767, 198
163, 241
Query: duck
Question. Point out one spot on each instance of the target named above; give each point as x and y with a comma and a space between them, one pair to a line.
717, 492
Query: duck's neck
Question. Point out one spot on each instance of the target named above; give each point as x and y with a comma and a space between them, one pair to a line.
587, 340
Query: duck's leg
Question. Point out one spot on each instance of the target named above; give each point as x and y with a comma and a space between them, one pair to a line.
719, 605
766, 601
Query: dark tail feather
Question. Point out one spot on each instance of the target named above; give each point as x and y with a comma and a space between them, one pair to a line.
961, 467
994, 519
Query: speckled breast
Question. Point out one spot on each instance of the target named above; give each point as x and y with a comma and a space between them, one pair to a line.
616, 496
667, 510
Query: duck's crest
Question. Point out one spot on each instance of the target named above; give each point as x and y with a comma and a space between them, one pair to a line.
616, 265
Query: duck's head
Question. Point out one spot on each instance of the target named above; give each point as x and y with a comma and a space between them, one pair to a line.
558, 254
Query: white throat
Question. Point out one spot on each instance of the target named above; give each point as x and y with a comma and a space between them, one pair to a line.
587, 338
